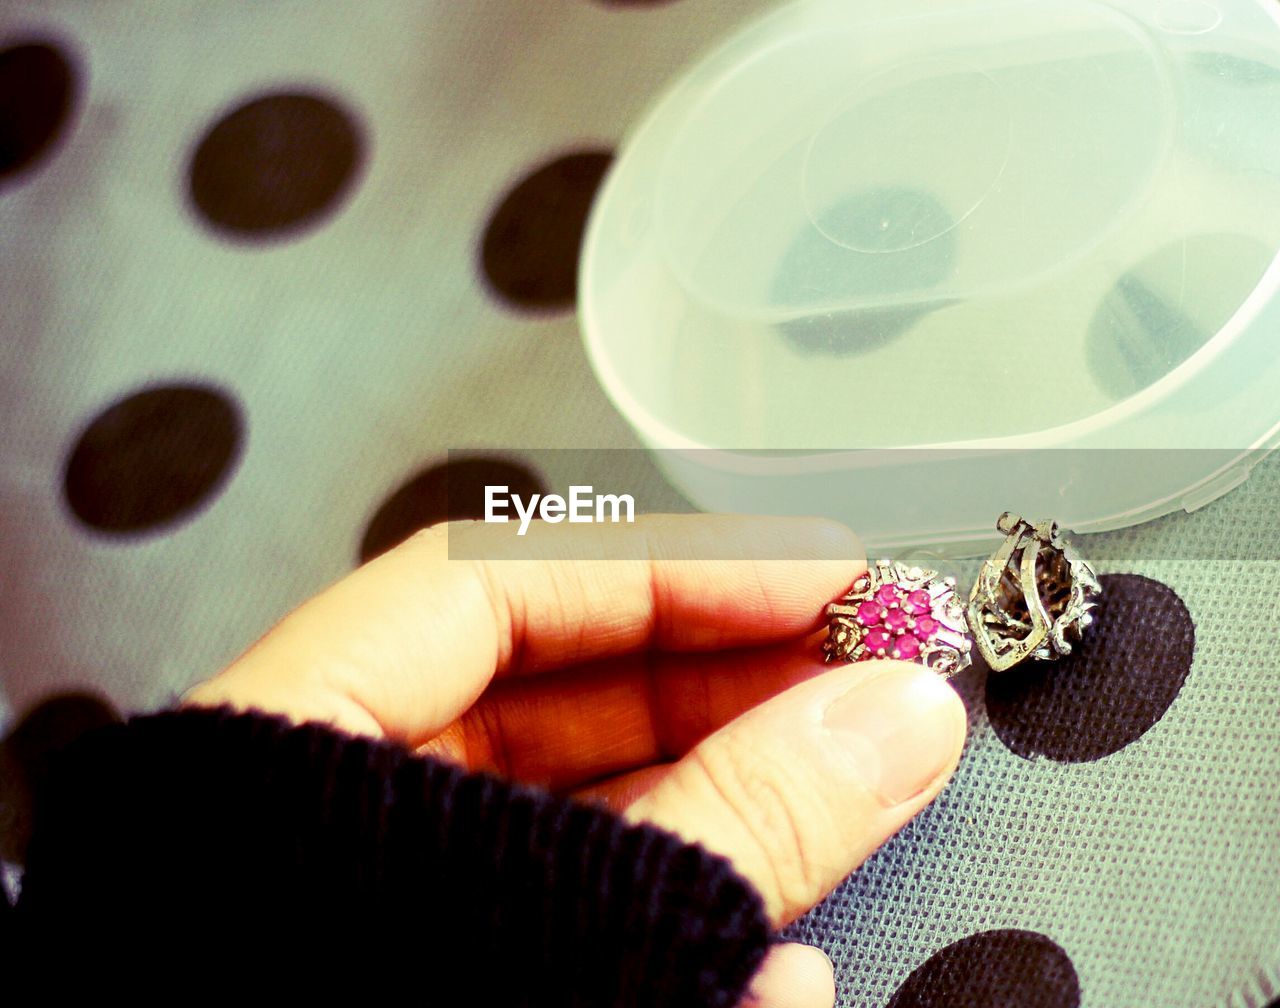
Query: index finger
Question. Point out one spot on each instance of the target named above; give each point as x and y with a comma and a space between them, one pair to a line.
414, 637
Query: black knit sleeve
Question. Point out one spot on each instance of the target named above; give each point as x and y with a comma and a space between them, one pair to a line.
207, 837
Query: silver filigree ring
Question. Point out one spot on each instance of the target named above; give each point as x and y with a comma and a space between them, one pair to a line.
1033, 596
900, 611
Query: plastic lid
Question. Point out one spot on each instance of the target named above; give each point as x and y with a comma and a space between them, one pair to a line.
875, 223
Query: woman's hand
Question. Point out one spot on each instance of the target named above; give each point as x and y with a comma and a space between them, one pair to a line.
672, 678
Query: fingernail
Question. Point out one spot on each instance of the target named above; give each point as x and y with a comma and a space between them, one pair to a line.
822, 963
899, 728
793, 974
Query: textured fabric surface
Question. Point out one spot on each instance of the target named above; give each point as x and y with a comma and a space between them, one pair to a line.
318, 340
276, 847
1155, 868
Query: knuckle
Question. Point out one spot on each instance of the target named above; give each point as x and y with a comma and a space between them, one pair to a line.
777, 818
430, 536
422, 543
484, 740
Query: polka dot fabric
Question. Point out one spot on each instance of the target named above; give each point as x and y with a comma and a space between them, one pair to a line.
266, 264
993, 969
1106, 695
37, 85
274, 166
451, 491
530, 251
152, 458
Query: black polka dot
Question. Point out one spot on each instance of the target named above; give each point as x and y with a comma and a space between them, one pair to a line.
1168, 306
450, 491
866, 273
993, 969
37, 92
27, 752
1117, 684
531, 244
153, 458
275, 166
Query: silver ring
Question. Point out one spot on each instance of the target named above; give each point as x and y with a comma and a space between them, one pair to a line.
1033, 596
900, 611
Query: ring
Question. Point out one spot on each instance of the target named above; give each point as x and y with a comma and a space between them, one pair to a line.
1033, 596
896, 611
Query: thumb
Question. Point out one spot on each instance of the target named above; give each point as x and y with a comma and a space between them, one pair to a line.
802, 789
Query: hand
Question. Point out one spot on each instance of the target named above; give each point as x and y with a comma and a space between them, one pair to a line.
671, 678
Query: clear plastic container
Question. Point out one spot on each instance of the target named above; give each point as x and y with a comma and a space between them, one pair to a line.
1004, 234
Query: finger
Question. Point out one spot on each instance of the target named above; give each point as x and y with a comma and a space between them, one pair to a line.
792, 976
412, 639
566, 728
622, 791
800, 790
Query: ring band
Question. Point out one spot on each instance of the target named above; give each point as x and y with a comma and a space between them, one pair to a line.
900, 611
1033, 596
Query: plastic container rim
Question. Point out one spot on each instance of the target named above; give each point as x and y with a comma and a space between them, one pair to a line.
660, 435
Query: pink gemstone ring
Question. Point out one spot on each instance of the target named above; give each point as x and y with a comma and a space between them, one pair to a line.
900, 611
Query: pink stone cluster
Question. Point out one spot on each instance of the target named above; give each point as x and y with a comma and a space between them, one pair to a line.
898, 623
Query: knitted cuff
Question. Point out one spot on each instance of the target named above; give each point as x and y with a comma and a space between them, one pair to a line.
316, 854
